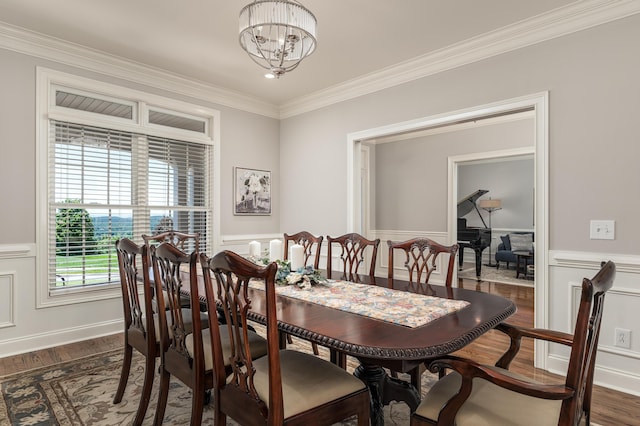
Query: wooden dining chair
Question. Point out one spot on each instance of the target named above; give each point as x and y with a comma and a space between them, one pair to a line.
140, 331
309, 242
421, 259
312, 246
475, 394
353, 254
181, 349
285, 387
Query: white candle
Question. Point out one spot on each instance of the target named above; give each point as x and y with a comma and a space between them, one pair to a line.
297, 257
275, 250
254, 249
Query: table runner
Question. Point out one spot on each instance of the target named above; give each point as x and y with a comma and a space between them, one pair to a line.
394, 306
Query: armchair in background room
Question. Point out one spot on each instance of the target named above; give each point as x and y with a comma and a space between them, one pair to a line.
515, 241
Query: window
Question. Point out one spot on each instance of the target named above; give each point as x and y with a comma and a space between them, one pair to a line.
110, 176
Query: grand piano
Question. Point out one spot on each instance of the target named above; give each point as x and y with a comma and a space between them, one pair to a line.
477, 239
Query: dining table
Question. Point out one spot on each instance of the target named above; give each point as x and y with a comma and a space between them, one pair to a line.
394, 324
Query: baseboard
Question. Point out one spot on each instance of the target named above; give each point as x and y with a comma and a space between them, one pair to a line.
608, 377
50, 339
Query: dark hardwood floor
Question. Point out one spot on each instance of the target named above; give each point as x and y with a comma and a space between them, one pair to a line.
609, 407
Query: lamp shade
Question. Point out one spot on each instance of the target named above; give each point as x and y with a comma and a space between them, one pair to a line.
491, 204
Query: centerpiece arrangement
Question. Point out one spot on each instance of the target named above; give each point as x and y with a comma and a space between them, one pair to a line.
303, 277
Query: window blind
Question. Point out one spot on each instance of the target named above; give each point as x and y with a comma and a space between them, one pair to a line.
108, 184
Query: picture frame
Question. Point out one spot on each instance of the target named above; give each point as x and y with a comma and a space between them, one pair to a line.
252, 192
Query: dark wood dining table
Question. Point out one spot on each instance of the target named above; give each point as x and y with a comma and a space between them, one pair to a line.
379, 344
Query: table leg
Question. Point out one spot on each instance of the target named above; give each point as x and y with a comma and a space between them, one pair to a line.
521, 268
384, 389
478, 263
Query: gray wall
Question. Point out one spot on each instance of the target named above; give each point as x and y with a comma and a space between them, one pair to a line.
409, 174
510, 181
247, 140
592, 79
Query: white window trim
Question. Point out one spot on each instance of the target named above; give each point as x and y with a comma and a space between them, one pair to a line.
46, 82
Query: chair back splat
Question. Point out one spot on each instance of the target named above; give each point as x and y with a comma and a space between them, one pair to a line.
309, 242
267, 390
585, 342
421, 256
353, 254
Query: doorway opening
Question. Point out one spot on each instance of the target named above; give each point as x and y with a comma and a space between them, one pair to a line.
503, 182
538, 105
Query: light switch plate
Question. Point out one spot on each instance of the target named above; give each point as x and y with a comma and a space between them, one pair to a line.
602, 229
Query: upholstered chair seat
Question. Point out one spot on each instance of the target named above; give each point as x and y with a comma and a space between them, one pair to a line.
321, 382
475, 394
490, 405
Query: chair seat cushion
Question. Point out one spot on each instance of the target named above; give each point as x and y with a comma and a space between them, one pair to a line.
258, 346
490, 405
307, 381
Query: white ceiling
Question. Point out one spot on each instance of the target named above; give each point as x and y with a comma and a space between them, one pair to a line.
198, 39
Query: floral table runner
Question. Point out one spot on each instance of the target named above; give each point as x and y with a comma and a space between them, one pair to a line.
394, 306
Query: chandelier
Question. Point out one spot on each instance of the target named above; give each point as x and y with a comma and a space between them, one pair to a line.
277, 34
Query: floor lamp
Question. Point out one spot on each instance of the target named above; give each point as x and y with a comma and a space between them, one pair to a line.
490, 206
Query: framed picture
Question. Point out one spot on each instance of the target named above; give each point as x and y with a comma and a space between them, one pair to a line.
252, 192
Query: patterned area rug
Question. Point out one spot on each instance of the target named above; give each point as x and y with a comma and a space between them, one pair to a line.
502, 275
81, 392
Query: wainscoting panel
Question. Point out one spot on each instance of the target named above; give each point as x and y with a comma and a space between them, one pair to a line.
616, 367
24, 328
7, 299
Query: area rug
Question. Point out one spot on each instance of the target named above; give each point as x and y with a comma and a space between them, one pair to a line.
81, 392
502, 275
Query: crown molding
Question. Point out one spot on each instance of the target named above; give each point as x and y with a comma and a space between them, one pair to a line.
38, 45
572, 18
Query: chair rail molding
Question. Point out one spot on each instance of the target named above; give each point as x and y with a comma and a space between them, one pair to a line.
10, 251
592, 260
616, 367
